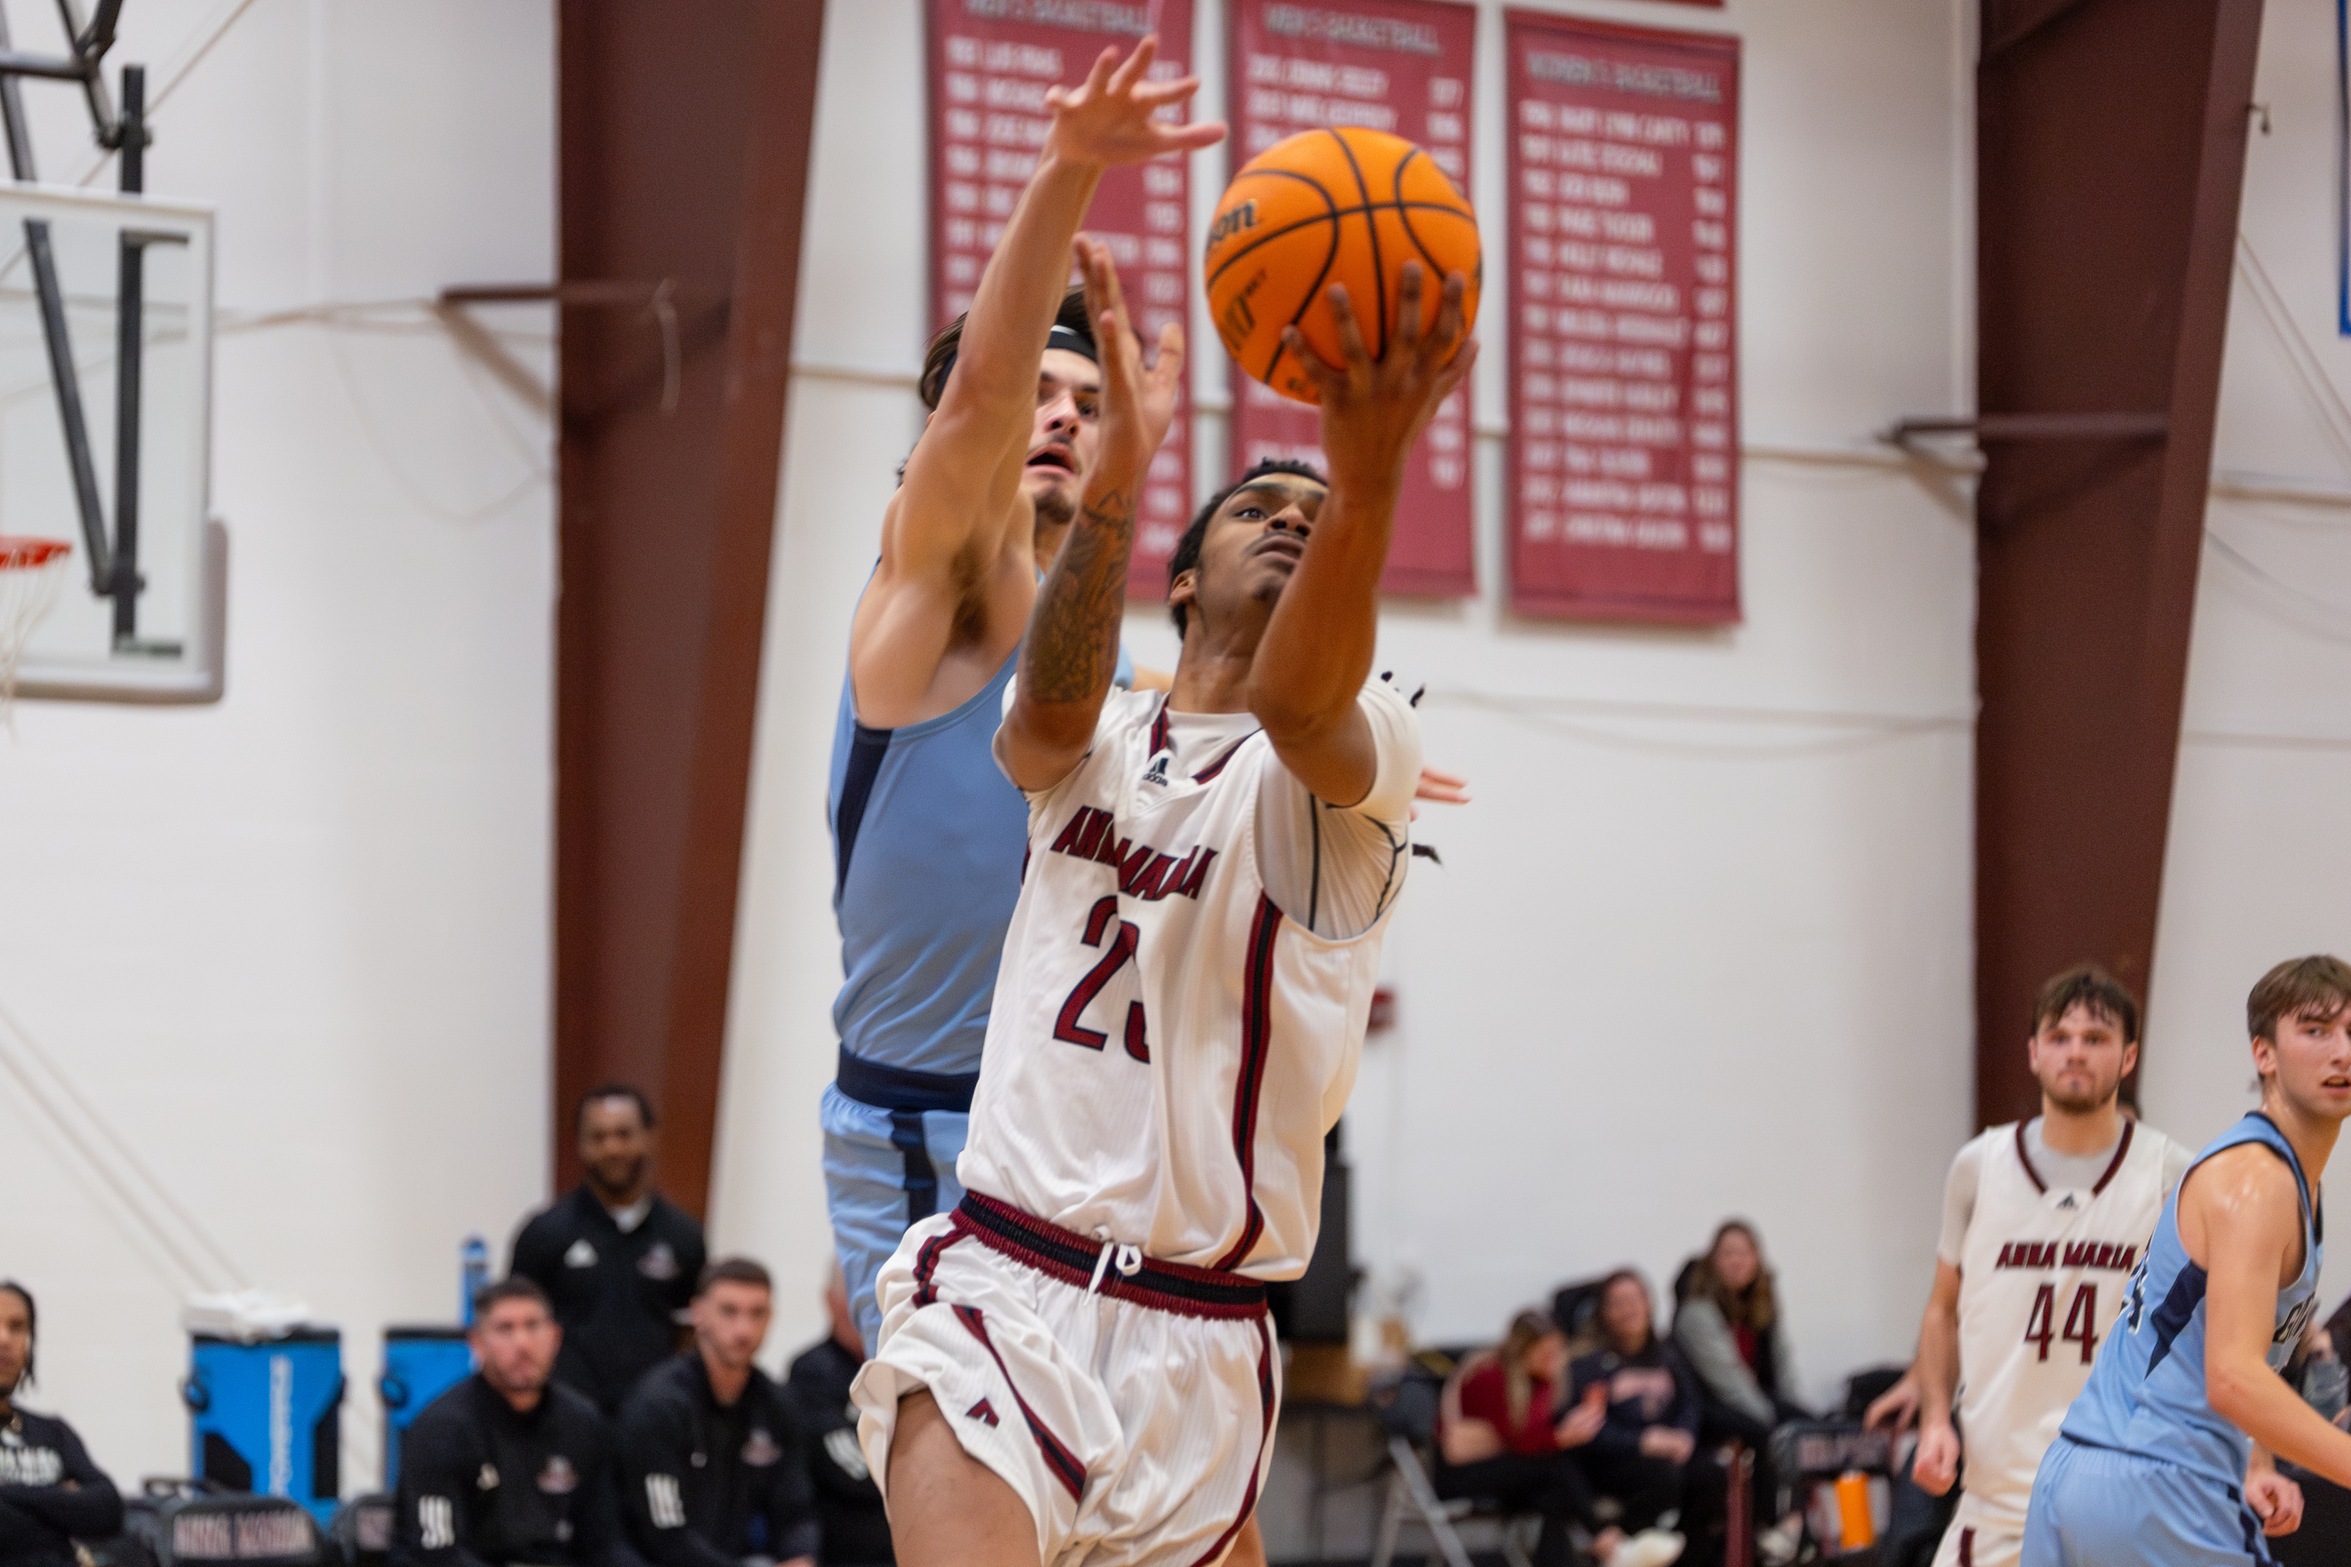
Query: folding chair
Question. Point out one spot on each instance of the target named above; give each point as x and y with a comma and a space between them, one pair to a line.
1808, 1454
1407, 1406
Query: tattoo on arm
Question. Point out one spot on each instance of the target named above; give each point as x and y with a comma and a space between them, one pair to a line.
1072, 650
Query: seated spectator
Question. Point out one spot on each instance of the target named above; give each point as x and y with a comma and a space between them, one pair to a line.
1727, 1325
856, 1531
1504, 1434
712, 1473
508, 1466
618, 1260
50, 1493
1645, 1450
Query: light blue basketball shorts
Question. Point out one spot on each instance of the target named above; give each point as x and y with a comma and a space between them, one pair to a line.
883, 1170
2096, 1507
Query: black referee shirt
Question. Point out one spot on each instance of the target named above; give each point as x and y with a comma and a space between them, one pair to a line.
483, 1484
617, 1294
50, 1493
705, 1484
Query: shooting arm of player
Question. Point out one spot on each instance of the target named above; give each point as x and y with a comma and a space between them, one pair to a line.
1316, 654
945, 528
1937, 1371
1071, 652
2243, 1205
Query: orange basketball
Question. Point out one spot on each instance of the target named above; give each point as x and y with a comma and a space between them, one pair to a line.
1333, 206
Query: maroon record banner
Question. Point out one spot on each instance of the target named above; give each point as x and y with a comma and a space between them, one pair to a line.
1402, 66
991, 62
1624, 451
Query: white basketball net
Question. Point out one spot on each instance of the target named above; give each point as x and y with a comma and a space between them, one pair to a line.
31, 572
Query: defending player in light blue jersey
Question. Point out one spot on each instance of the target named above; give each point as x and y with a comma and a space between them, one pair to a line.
927, 835
2168, 1456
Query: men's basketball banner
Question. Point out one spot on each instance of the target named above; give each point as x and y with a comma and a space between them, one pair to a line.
1624, 453
991, 62
1401, 66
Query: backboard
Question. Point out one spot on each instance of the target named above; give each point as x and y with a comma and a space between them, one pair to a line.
142, 614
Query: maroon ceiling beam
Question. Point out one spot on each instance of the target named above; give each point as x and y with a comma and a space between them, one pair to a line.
684, 134
2111, 152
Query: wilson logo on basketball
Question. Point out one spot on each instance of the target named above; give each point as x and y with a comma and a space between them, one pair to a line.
1228, 224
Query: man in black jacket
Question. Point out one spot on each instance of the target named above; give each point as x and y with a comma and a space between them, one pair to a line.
712, 1473
50, 1493
848, 1503
508, 1466
618, 1261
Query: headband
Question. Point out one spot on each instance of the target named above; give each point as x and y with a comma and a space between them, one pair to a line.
1059, 337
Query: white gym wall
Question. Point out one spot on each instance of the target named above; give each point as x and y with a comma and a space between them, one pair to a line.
293, 949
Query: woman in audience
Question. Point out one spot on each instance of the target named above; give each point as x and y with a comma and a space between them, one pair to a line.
1645, 1452
50, 1493
1727, 1324
1503, 1435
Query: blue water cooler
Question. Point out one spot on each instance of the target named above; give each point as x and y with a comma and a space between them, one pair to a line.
420, 1364
267, 1417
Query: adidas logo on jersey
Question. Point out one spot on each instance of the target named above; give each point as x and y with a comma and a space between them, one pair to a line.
1143, 872
1157, 772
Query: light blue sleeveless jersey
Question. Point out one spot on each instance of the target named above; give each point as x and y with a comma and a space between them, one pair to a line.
928, 838
2146, 1393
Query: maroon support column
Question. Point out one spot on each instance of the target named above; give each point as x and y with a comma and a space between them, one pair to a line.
684, 131
2111, 144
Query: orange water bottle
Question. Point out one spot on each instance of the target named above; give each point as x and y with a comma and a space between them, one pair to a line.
1856, 1528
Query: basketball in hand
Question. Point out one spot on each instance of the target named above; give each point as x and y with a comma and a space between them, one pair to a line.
1347, 206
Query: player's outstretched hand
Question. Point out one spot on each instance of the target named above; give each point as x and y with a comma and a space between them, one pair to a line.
2275, 1500
1138, 401
1374, 409
1112, 116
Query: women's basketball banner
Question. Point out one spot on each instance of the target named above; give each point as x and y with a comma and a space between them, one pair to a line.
991, 62
1401, 66
1624, 451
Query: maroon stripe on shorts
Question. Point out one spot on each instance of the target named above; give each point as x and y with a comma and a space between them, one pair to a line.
1265, 1435
1058, 1457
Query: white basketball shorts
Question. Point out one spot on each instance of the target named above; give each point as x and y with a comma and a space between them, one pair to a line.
1981, 1536
1130, 1407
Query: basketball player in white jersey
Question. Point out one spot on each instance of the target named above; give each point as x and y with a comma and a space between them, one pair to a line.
2043, 1221
1076, 1364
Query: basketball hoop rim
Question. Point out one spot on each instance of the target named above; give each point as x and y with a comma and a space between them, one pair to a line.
21, 554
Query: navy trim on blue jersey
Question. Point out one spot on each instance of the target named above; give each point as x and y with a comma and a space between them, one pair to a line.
2179, 1306
867, 746
922, 1181
900, 1088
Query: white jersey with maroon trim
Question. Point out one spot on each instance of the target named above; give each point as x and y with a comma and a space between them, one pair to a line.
1168, 1045
2040, 1279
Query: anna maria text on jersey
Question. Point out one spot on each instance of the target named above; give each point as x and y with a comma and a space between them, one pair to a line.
1143, 872
2107, 1256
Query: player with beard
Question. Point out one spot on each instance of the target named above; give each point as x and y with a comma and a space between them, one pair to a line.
617, 1258
2169, 1456
509, 1468
927, 834
2042, 1222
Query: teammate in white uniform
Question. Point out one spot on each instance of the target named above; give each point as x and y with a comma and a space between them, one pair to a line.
1076, 1364
2043, 1221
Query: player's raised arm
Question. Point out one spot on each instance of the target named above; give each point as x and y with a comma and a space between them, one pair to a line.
950, 530
1317, 649
2243, 1206
1071, 651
